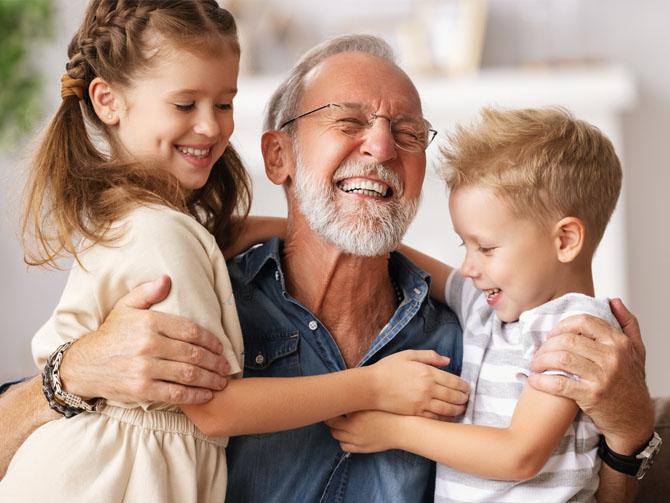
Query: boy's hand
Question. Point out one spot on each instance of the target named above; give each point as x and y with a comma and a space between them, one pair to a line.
363, 432
411, 383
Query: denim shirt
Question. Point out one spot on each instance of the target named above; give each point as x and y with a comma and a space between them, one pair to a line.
284, 339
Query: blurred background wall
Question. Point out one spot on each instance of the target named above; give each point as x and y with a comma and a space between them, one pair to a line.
575, 53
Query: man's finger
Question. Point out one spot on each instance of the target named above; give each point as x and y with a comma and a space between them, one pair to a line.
558, 385
187, 375
181, 329
628, 322
177, 394
585, 325
572, 343
178, 351
566, 361
147, 294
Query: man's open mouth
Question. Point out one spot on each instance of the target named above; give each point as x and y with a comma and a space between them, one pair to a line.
365, 187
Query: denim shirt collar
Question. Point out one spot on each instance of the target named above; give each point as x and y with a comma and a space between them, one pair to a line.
412, 280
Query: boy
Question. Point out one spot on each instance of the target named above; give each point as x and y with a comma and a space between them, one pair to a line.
531, 194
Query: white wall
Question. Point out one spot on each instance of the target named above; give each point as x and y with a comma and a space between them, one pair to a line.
631, 33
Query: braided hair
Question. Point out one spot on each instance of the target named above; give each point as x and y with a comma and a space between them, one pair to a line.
77, 190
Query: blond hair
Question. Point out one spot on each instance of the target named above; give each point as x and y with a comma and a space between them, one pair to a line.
74, 190
543, 162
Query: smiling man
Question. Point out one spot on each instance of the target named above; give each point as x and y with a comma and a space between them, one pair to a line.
346, 138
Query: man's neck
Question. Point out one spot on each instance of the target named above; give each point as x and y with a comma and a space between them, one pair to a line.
352, 295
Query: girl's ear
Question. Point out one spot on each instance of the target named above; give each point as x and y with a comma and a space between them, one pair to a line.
278, 156
105, 100
570, 236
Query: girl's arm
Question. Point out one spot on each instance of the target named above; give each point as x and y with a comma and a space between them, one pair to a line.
438, 271
255, 231
517, 452
404, 383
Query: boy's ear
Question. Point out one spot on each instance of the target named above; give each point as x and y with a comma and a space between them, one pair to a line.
570, 236
277, 156
106, 102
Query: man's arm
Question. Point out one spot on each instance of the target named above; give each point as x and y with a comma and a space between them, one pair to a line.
135, 355
611, 389
23, 409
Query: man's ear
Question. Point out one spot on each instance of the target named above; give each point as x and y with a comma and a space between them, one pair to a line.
570, 237
278, 156
106, 102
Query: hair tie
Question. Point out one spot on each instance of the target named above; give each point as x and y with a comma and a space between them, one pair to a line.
71, 87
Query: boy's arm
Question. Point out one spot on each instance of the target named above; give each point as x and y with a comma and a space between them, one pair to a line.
515, 453
438, 271
406, 383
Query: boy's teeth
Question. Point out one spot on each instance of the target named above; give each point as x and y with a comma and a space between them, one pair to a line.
492, 291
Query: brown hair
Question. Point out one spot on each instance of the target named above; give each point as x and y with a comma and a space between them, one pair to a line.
543, 162
75, 191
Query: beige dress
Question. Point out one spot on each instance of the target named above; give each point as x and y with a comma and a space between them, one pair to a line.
132, 452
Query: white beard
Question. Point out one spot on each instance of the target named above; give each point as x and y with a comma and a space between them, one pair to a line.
365, 227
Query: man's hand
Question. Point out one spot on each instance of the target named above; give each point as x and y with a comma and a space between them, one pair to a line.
610, 364
142, 355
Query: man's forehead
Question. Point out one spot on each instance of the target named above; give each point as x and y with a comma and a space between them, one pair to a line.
359, 77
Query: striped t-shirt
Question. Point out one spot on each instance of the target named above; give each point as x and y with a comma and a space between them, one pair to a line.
496, 357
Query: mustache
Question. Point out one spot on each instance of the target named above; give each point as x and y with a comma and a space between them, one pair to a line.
350, 169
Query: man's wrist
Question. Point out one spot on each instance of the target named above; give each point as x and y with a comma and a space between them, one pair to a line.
70, 380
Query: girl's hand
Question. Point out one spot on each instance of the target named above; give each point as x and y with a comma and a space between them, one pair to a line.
255, 231
411, 383
365, 431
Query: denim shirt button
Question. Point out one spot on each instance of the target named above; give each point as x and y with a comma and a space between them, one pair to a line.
277, 275
260, 359
417, 291
313, 325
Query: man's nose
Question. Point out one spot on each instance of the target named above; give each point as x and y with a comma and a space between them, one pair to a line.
378, 141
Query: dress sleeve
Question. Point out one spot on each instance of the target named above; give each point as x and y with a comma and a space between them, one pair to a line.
154, 241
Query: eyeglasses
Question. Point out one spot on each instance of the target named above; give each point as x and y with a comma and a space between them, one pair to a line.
412, 133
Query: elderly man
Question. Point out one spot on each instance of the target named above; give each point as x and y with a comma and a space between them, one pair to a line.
346, 138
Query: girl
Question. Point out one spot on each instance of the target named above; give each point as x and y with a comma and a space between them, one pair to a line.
155, 79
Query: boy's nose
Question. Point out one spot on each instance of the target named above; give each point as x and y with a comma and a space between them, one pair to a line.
469, 267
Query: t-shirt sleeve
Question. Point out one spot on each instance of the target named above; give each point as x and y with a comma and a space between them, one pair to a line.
460, 295
155, 241
537, 323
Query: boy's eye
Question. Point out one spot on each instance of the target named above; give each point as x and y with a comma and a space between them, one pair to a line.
486, 249
185, 107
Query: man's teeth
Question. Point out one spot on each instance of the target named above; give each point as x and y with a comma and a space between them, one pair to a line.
195, 152
491, 291
365, 187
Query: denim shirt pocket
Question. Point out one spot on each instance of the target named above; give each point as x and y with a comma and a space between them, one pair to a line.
272, 355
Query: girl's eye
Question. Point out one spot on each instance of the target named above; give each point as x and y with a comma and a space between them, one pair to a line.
185, 107
225, 106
